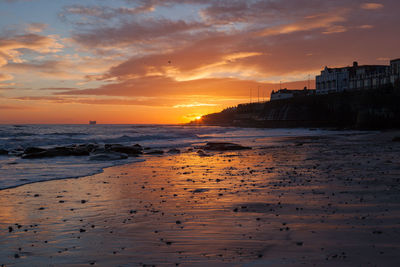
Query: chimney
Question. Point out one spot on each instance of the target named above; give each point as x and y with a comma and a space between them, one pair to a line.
355, 64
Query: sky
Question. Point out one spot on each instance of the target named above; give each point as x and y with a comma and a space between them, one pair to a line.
171, 61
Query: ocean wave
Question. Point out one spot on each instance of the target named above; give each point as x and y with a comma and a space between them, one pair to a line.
56, 169
15, 171
67, 134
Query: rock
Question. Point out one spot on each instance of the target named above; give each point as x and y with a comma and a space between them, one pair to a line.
396, 139
200, 190
36, 153
223, 146
130, 150
201, 153
88, 147
109, 156
3, 152
31, 150
174, 151
78, 150
155, 152
115, 151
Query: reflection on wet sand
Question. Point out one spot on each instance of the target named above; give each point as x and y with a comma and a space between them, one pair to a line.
330, 201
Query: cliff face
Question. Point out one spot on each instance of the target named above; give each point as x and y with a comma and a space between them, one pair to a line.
373, 109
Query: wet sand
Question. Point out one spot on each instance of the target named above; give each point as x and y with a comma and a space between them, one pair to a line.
309, 201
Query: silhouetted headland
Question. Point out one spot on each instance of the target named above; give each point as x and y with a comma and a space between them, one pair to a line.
357, 97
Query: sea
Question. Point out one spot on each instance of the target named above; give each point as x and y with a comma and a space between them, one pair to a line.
15, 171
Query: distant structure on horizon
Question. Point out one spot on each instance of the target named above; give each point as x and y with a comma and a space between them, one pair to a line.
357, 77
92, 122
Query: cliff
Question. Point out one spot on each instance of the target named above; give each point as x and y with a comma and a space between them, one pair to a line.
369, 109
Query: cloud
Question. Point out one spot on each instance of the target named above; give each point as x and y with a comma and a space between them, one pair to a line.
67, 67
335, 29
11, 107
372, 6
191, 54
173, 102
325, 21
11, 46
146, 32
194, 104
161, 87
36, 27
102, 12
366, 26
5, 77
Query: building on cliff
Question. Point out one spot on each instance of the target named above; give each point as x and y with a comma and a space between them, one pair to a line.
357, 77
286, 93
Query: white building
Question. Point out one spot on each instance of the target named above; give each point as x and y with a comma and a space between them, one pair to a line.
333, 80
357, 77
395, 71
286, 93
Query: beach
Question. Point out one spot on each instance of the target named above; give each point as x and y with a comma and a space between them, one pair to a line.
329, 200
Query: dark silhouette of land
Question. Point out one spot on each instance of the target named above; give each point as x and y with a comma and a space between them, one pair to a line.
366, 109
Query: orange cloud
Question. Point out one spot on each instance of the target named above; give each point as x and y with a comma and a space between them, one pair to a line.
36, 27
10, 47
372, 6
5, 77
135, 66
194, 104
319, 21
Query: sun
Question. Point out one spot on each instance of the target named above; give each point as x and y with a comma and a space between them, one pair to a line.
199, 117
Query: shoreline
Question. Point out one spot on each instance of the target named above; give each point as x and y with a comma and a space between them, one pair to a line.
183, 147
299, 201
73, 177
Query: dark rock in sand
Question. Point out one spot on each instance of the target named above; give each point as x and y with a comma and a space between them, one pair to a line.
396, 139
223, 146
155, 152
201, 153
174, 151
62, 151
32, 150
129, 150
3, 152
200, 190
109, 156
108, 152
88, 147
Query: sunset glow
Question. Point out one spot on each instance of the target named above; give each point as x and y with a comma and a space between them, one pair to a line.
134, 61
